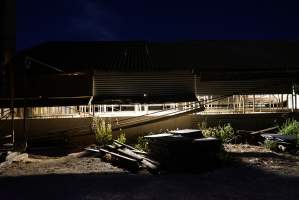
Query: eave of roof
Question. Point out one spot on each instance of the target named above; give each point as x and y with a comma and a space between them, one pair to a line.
152, 56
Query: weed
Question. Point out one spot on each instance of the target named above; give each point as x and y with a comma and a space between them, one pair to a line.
142, 144
270, 144
225, 133
122, 137
203, 124
103, 131
290, 127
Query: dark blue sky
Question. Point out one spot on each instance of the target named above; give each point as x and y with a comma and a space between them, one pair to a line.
80, 20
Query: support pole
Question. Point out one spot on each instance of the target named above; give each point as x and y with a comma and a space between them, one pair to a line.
228, 104
12, 111
293, 98
243, 97
281, 102
253, 104
93, 110
234, 103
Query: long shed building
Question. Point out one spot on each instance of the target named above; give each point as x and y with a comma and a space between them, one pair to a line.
76, 73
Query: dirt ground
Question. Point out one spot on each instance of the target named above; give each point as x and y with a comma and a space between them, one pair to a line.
255, 173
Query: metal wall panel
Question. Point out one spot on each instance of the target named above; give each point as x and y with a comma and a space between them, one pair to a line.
147, 85
59, 85
243, 87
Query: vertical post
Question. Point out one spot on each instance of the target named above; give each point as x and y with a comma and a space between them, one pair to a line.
12, 110
281, 102
287, 101
227, 104
253, 104
93, 110
293, 98
234, 103
243, 106
261, 97
270, 105
295, 101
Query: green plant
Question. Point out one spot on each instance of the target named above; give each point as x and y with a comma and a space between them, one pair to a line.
142, 144
290, 127
270, 144
202, 124
122, 137
225, 133
103, 131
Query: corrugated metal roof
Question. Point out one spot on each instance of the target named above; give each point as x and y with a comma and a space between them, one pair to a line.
36, 102
152, 56
138, 68
144, 86
244, 87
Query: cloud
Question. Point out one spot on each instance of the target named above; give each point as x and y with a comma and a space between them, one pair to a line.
94, 20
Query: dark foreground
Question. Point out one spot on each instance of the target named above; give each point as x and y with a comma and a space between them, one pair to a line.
259, 175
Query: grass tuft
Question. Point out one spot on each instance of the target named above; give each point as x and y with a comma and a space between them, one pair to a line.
290, 127
102, 131
225, 133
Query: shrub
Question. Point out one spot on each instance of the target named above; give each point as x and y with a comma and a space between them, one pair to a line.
270, 144
103, 131
225, 133
203, 124
290, 127
122, 137
142, 144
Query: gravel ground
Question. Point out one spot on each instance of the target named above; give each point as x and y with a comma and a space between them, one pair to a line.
258, 174
43, 165
266, 160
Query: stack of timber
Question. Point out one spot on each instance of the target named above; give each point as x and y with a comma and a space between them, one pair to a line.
253, 137
125, 156
284, 142
184, 150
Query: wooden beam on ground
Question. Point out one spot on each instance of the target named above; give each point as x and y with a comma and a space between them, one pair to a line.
264, 130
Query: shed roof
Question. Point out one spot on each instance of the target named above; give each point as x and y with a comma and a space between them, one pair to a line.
154, 56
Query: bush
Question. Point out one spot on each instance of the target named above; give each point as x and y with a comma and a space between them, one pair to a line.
270, 144
122, 137
203, 124
290, 127
225, 133
103, 131
142, 144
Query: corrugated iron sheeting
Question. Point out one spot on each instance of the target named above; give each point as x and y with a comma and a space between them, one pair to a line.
144, 86
243, 87
58, 85
152, 56
37, 102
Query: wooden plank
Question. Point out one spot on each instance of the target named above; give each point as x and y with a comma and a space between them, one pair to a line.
264, 130
118, 155
145, 162
130, 153
140, 152
111, 153
257, 132
137, 151
122, 144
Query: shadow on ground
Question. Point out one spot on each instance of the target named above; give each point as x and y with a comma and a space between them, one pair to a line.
235, 182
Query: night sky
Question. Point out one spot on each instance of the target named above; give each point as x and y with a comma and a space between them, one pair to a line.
88, 20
